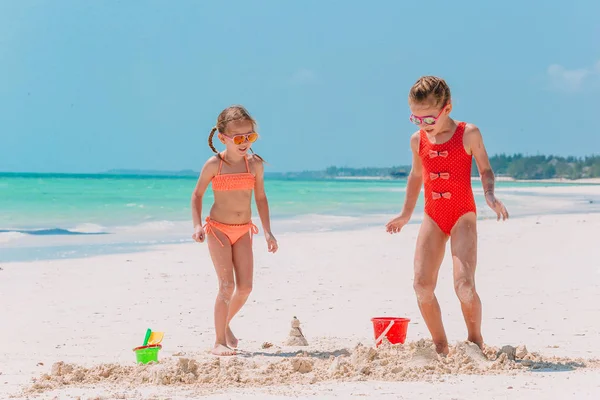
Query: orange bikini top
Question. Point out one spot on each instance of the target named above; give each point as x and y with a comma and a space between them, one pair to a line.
239, 181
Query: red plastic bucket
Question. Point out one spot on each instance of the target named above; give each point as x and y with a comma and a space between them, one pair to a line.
394, 329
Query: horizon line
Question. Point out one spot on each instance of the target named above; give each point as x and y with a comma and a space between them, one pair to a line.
189, 172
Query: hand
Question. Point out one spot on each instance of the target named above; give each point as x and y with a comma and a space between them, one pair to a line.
497, 206
271, 242
199, 234
396, 224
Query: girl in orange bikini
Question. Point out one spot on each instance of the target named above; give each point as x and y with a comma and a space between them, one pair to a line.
234, 175
443, 150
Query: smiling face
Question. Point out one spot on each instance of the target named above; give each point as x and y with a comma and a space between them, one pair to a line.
238, 136
236, 131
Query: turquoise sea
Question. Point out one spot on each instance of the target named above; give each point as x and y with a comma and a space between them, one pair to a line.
46, 216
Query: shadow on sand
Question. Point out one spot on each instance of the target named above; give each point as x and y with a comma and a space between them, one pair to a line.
545, 366
314, 353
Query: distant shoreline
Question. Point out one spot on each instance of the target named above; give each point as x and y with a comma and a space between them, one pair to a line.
507, 168
275, 175
476, 178
550, 180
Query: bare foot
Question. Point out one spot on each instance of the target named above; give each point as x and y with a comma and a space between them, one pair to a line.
221, 350
232, 341
442, 349
478, 341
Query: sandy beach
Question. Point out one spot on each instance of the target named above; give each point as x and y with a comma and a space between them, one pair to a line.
580, 181
537, 277
124, 127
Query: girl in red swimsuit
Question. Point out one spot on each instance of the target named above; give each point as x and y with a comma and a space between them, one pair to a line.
234, 175
443, 150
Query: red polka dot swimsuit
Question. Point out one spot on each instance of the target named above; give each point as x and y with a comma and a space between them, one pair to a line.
447, 179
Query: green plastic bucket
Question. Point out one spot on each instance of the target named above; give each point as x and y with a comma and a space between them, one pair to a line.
146, 354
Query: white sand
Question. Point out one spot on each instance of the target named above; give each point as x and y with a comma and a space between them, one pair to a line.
539, 280
579, 181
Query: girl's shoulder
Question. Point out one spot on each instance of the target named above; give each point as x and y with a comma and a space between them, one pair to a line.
211, 165
468, 126
256, 164
255, 160
415, 141
471, 131
213, 161
471, 137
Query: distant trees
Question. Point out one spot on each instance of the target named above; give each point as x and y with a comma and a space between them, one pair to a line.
517, 166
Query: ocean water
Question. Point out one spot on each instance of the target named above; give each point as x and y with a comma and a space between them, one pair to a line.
44, 216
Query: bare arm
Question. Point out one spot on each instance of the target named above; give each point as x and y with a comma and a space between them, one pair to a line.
413, 189
475, 144
415, 179
208, 171
262, 205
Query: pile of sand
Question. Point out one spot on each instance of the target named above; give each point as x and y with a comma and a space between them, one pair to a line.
410, 362
296, 337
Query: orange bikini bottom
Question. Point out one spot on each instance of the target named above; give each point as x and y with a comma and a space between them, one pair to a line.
233, 231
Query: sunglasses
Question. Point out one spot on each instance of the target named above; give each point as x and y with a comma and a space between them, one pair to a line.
239, 139
428, 120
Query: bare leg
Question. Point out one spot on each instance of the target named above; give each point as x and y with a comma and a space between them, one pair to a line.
223, 261
243, 261
429, 253
463, 244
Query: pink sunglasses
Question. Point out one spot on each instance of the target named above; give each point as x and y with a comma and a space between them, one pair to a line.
428, 120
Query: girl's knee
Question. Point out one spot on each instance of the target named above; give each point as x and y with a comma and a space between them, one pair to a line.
465, 289
244, 289
424, 288
226, 289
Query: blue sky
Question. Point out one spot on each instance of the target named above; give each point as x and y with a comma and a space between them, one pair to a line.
93, 85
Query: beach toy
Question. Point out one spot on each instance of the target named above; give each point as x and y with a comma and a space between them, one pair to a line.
148, 333
148, 352
156, 337
394, 329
